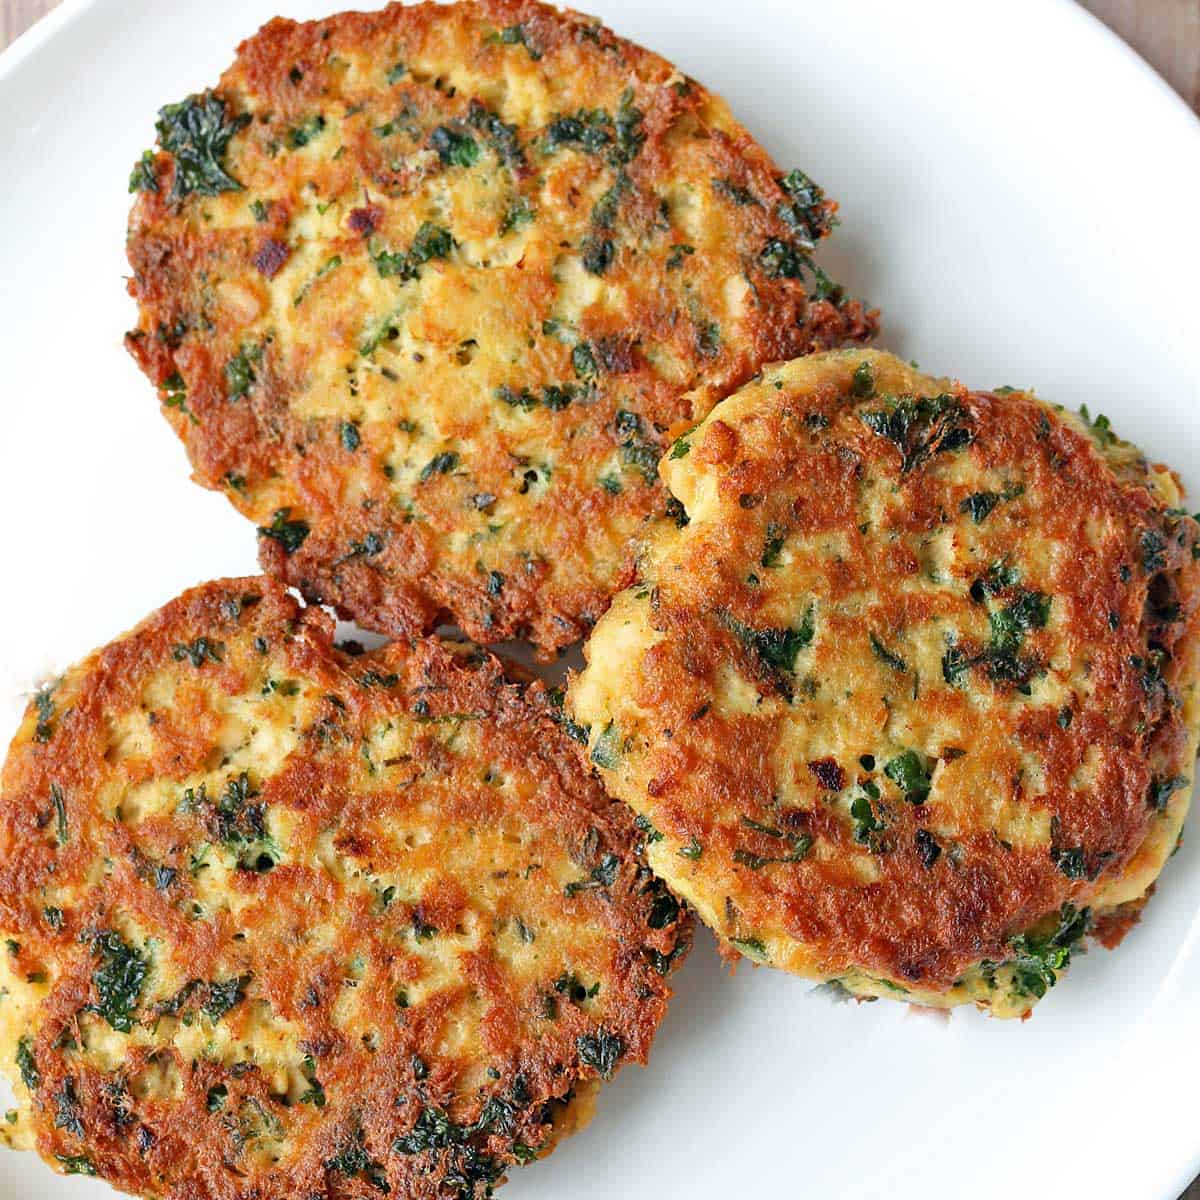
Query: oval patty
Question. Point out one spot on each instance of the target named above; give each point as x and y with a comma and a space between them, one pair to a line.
280, 920
908, 691
423, 289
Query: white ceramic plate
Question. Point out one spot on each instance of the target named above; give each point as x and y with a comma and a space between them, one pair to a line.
1019, 194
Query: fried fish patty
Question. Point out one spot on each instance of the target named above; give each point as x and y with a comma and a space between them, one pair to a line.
422, 289
908, 694
285, 922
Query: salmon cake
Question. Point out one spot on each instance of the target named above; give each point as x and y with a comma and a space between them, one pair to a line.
423, 289
280, 920
905, 698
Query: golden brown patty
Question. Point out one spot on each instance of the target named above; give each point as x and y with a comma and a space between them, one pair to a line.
422, 289
910, 697
286, 922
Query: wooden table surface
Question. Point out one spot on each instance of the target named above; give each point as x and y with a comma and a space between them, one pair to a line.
1165, 32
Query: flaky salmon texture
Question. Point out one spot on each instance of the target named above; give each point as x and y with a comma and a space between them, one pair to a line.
424, 290
907, 692
281, 919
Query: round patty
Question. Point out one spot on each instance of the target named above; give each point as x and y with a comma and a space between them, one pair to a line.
423, 289
908, 691
282, 921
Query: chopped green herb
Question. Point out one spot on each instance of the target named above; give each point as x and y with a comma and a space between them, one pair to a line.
927, 848
197, 132
675, 511
781, 260
514, 35
26, 1064
315, 1093
678, 251
601, 1050
777, 649
954, 663
555, 397
921, 427
862, 383
354, 1162
44, 703
776, 535
604, 875
176, 396
681, 446
75, 1164
300, 135
224, 996
1072, 863
576, 732
708, 339
240, 374
330, 264
650, 834
1153, 551
911, 773
751, 947
583, 361
1039, 957
597, 253
735, 193
805, 212
455, 149
288, 533
863, 814
518, 213
1159, 795
886, 656
439, 464
1100, 428
199, 652
692, 850
431, 241
142, 178
569, 985
637, 451
999, 577
60, 812
605, 210
239, 825
800, 844
1031, 610
590, 131
118, 980
504, 138
825, 288
979, 505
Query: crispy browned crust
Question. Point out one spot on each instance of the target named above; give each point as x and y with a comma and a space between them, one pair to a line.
433, 1018
205, 271
1111, 928
1060, 774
